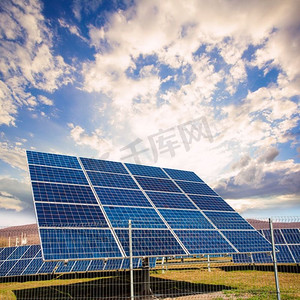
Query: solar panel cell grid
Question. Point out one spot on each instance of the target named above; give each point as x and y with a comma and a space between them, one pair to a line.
157, 184
7, 266
291, 235
113, 264
7, 252
49, 174
183, 175
96, 265
248, 241
51, 192
69, 215
196, 188
112, 180
19, 252
209, 241
78, 243
121, 197
295, 249
32, 251
185, 219
210, 203
19, 267
47, 267
150, 242
170, 200
146, 171
63, 267
81, 265
56, 160
33, 266
224, 220
140, 217
278, 238
284, 255
103, 165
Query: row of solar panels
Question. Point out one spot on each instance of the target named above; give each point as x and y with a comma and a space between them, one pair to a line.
287, 242
27, 260
83, 206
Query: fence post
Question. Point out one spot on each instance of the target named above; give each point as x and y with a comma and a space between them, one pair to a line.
274, 260
130, 261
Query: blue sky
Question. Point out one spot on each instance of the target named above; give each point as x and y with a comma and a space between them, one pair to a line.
208, 86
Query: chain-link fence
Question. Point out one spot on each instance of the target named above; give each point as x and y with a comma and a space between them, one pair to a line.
220, 274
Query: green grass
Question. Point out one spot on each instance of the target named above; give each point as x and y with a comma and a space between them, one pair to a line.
250, 284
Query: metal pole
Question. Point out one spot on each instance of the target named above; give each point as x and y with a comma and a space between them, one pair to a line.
208, 263
130, 261
274, 260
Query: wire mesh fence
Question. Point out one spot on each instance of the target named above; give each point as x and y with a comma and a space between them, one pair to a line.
223, 274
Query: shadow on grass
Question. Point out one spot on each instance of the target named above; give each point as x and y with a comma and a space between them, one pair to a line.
118, 287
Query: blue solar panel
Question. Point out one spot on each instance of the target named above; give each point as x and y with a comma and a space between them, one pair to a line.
170, 200
140, 217
204, 241
185, 219
18, 253
291, 235
113, 264
183, 175
211, 203
295, 249
259, 258
96, 265
278, 238
19, 267
51, 192
65, 201
228, 220
81, 265
136, 262
242, 258
112, 180
146, 171
32, 251
78, 243
33, 266
6, 252
51, 174
63, 267
103, 165
69, 215
121, 197
47, 267
7, 266
157, 184
284, 255
196, 188
55, 160
248, 241
150, 242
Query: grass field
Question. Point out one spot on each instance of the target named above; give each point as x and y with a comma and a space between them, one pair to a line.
239, 284
184, 284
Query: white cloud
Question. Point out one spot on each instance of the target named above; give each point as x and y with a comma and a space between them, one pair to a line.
8, 201
26, 59
13, 155
45, 100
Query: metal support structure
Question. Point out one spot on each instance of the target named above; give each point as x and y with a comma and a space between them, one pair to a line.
208, 263
130, 261
274, 260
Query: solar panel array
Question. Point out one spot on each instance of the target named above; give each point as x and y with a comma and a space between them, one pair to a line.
27, 260
83, 206
287, 242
